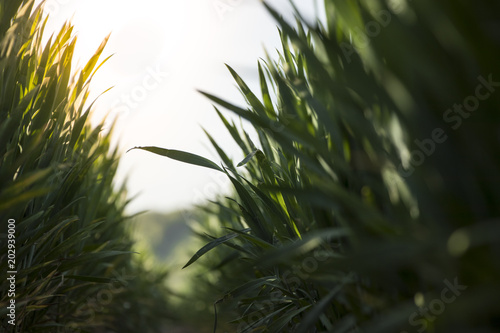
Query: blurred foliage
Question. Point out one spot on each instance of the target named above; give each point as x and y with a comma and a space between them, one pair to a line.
169, 239
374, 185
75, 268
160, 234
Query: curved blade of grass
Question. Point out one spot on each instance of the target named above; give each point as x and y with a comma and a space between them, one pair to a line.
248, 158
181, 156
209, 247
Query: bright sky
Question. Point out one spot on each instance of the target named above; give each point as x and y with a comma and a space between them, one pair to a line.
163, 51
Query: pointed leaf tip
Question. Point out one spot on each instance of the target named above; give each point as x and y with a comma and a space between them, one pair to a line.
248, 158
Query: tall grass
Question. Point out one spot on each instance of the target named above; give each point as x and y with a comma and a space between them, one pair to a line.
365, 201
74, 264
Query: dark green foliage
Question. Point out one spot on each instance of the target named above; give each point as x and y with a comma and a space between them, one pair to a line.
369, 193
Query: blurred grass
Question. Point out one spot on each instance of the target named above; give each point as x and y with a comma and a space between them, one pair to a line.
340, 220
160, 234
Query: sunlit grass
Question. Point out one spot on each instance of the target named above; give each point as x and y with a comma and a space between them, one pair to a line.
74, 261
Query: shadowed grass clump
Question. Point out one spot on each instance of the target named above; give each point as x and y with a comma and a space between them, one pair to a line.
371, 200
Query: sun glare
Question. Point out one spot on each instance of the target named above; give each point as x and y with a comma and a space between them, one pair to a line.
162, 52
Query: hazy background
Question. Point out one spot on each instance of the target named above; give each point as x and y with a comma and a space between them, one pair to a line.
162, 52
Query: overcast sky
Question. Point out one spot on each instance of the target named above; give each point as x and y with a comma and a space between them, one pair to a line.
162, 52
